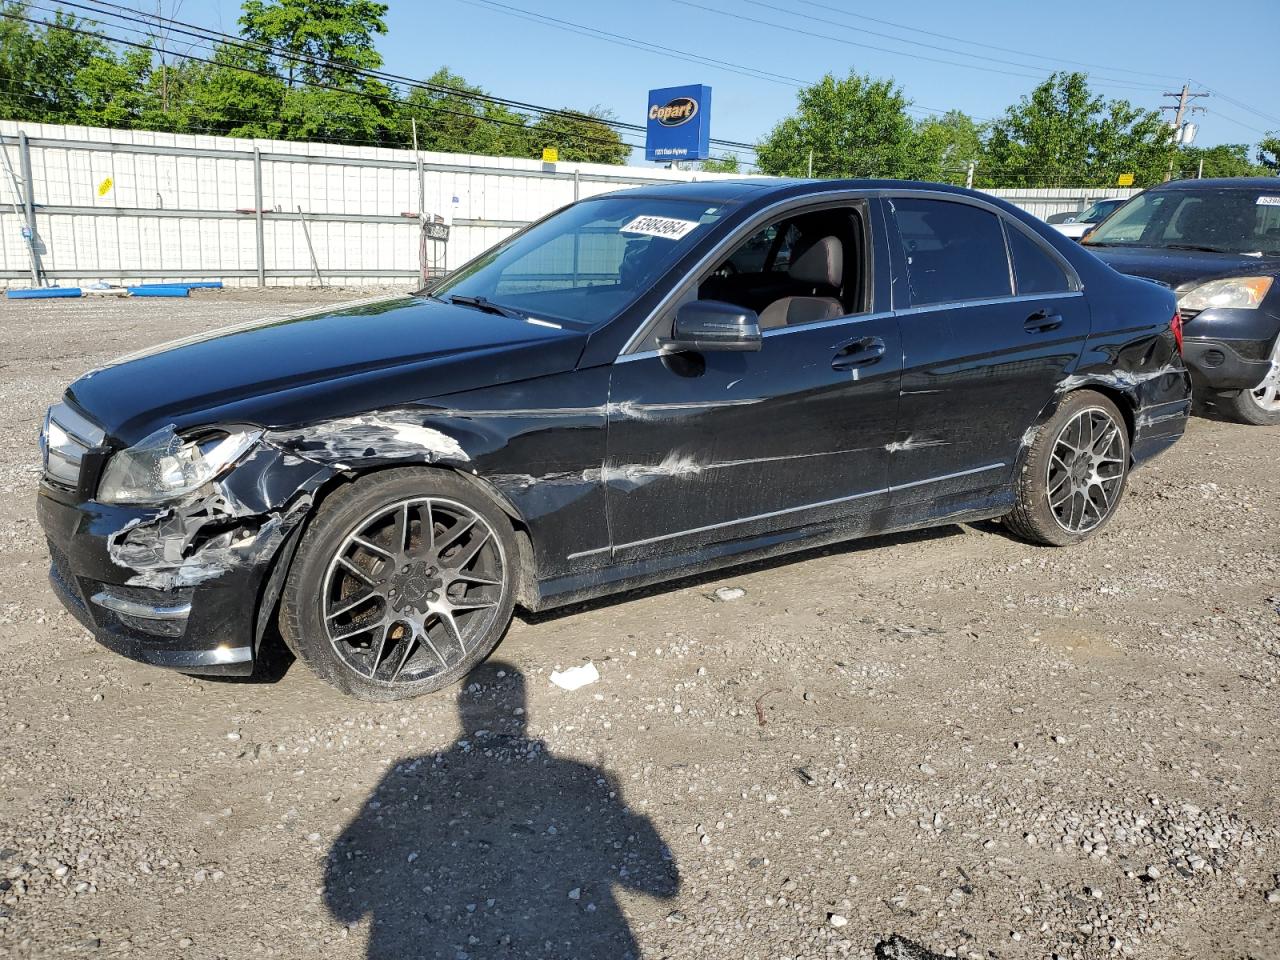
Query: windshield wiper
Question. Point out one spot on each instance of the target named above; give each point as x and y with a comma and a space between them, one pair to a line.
488, 306
1194, 246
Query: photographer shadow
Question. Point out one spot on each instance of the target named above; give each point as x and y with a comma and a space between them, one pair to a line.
494, 847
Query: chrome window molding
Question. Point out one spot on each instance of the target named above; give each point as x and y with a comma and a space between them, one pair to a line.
786, 510
988, 302
884, 315
779, 331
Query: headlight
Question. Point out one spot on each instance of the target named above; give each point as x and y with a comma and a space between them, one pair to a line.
1241, 292
164, 466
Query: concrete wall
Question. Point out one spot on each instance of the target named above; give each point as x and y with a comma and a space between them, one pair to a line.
128, 206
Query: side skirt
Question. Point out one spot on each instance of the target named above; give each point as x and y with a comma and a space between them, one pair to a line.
610, 578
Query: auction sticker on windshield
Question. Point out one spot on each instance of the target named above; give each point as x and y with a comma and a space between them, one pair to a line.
1269, 201
666, 227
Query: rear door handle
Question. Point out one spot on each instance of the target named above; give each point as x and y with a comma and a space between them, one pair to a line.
858, 353
1042, 321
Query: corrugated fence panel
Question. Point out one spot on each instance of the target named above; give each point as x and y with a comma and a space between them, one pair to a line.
138, 205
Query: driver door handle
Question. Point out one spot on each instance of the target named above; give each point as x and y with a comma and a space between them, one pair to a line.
1042, 321
858, 353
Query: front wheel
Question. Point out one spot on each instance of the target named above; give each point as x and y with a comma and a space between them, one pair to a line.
1261, 405
1074, 473
403, 582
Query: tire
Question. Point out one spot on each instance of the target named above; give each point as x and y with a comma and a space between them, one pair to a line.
1261, 405
382, 622
1065, 497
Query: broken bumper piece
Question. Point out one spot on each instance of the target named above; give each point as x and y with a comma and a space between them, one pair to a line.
205, 627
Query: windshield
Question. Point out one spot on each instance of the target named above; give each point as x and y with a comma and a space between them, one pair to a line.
1217, 221
585, 264
1098, 211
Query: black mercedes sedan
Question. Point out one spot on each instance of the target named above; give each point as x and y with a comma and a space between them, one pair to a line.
640, 386
1216, 243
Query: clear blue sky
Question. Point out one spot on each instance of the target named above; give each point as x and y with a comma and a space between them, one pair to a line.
1143, 48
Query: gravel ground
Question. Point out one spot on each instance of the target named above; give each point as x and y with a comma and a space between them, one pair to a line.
982, 747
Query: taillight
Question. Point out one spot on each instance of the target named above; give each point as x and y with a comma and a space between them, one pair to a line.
1176, 326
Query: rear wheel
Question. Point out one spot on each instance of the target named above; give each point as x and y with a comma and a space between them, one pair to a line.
402, 583
1261, 405
1074, 474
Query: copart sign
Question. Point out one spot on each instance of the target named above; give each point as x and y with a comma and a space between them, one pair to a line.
679, 124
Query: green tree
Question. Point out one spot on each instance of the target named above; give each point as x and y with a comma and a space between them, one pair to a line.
326, 34
582, 137
1269, 152
457, 122
1224, 160
725, 163
1064, 134
225, 98
318, 48
945, 146
56, 75
855, 127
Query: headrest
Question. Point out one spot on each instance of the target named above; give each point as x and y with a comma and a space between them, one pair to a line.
821, 265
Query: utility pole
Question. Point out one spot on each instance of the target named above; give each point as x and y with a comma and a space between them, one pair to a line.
968, 177
1184, 96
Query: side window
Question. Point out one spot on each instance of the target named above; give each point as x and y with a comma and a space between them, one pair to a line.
799, 269
767, 251
954, 251
1033, 269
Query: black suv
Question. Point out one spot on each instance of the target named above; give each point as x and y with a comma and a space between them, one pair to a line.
1217, 244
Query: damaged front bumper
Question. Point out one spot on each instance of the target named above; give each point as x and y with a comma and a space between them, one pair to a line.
201, 628
182, 586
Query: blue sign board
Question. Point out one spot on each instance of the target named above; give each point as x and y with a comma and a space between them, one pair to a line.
679, 125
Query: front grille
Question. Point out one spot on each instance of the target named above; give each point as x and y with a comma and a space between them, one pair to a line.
66, 438
1188, 315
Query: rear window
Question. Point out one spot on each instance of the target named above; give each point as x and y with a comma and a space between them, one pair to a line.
954, 251
1033, 268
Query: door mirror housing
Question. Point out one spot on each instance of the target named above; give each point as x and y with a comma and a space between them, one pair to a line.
705, 325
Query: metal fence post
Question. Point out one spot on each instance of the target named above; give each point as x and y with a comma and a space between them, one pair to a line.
29, 204
257, 207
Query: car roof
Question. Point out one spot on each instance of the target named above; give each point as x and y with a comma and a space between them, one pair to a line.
756, 188
1217, 183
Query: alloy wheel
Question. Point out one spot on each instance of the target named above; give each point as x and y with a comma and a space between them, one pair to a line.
1267, 394
413, 589
1086, 470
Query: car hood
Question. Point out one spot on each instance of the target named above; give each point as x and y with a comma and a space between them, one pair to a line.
288, 371
1179, 268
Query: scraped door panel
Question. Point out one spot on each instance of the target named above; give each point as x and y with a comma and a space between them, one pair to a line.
707, 447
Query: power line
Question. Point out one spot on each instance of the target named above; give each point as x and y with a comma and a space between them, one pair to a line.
210, 35
381, 98
868, 46
635, 43
979, 43
1243, 106
627, 41
919, 43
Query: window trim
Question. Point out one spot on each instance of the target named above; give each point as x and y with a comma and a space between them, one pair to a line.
762, 217
779, 209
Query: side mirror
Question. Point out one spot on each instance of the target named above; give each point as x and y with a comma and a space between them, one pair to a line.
713, 325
